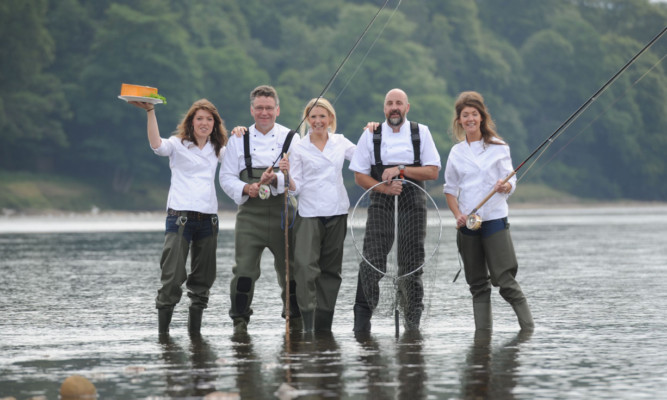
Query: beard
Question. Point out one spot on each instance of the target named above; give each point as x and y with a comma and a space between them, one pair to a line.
395, 120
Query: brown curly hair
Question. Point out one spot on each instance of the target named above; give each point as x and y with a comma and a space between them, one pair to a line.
184, 129
488, 127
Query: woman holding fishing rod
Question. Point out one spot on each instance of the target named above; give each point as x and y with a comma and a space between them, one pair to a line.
478, 164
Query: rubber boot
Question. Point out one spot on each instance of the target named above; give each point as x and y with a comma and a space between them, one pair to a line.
362, 319
483, 316
194, 320
296, 324
240, 325
324, 320
524, 316
164, 319
308, 321
412, 319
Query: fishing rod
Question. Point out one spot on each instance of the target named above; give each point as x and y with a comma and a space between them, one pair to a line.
264, 189
474, 221
347, 57
324, 90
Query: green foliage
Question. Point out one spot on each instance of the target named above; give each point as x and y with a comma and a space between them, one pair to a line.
62, 63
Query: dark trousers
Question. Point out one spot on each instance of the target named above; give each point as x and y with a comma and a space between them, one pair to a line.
378, 240
181, 235
259, 225
489, 259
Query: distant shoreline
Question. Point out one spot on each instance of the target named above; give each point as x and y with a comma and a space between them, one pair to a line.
54, 221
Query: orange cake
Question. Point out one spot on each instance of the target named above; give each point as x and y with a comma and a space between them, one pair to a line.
136, 90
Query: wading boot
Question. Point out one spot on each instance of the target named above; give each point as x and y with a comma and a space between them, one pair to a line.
194, 320
483, 316
164, 319
524, 316
412, 319
362, 319
240, 325
324, 320
308, 319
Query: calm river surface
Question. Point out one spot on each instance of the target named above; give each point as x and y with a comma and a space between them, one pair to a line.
82, 302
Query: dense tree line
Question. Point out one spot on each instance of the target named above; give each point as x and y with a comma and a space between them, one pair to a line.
62, 63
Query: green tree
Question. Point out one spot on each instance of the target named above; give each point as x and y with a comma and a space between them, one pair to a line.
32, 106
143, 44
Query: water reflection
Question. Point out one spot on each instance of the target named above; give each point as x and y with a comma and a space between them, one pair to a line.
249, 379
374, 363
412, 375
596, 285
492, 374
314, 365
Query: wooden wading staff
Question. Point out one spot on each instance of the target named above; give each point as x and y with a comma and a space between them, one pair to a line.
287, 285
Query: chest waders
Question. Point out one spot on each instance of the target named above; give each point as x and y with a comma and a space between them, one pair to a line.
188, 229
411, 290
489, 260
258, 226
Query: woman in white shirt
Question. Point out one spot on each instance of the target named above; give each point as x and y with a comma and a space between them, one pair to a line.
476, 165
194, 152
316, 166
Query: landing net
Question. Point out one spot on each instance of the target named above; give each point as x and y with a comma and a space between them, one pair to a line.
397, 275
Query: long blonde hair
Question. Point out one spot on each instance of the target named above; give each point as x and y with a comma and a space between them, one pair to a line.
487, 127
319, 102
184, 129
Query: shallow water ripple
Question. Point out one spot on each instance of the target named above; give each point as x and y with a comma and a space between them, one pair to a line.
83, 303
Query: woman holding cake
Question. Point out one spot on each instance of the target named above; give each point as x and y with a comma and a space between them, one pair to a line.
194, 152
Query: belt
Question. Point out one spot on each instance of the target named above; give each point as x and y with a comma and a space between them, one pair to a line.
194, 215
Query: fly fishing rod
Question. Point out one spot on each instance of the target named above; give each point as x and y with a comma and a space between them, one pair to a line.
335, 74
474, 221
265, 189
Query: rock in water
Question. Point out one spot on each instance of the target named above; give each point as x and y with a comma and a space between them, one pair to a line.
77, 387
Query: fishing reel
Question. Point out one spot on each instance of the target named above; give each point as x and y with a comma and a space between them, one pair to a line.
264, 192
473, 222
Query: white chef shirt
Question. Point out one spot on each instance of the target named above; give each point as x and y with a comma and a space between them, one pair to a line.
395, 149
192, 175
318, 176
471, 172
264, 150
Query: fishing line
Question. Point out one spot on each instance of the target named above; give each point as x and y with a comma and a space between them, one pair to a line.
616, 100
363, 59
474, 221
335, 74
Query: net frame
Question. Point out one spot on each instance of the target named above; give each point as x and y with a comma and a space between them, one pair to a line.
395, 276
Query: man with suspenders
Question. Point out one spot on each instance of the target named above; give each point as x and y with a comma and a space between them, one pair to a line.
396, 147
249, 162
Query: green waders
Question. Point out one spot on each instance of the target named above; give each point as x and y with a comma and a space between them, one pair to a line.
258, 226
184, 231
491, 260
318, 262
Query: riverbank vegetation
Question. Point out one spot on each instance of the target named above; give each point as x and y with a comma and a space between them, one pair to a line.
70, 143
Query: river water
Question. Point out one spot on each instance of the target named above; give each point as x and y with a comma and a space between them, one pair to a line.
78, 298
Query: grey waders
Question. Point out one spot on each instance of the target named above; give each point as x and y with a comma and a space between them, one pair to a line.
194, 320
164, 319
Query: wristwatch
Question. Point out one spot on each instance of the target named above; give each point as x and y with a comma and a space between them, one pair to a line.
401, 168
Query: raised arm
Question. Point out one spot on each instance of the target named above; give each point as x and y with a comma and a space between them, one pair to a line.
152, 128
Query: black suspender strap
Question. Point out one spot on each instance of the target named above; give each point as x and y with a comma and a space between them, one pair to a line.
246, 153
416, 142
246, 149
377, 141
